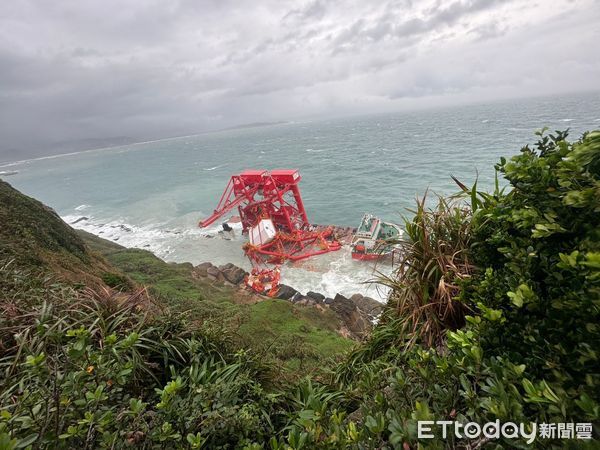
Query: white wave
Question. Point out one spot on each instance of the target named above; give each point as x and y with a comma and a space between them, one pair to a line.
110, 147
181, 241
567, 120
215, 167
334, 273
124, 233
82, 207
11, 164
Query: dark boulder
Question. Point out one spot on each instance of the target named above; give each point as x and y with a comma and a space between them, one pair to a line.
286, 292
81, 219
226, 266
201, 269
235, 275
369, 306
317, 296
304, 300
213, 273
351, 316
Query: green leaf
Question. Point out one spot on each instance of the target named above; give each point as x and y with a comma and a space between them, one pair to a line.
30, 439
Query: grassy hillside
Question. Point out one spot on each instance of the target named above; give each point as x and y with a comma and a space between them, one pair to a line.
33, 236
297, 336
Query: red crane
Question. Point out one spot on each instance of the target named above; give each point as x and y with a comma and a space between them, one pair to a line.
273, 215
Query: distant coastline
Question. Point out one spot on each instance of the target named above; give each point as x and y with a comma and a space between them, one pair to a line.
253, 125
91, 145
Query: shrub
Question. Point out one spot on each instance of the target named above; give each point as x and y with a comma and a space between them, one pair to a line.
538, 249
98, 369
434, 260
116, 281
528, 350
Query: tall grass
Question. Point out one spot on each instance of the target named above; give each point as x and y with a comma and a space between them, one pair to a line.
433, 260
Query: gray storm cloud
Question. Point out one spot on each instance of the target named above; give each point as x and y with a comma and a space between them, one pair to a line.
78, 70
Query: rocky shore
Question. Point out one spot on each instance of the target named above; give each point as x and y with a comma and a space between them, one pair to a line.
356, 313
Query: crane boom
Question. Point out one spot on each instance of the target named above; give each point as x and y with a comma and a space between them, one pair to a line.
229, 200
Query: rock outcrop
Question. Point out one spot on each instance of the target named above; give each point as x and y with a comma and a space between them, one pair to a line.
232, 273
227, 273
286, 292
369, 306
201, 270
358, 324
356, 313
316, 295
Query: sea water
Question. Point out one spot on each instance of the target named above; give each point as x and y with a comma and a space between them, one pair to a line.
151, 195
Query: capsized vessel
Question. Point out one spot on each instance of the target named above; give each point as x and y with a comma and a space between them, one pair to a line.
372, 238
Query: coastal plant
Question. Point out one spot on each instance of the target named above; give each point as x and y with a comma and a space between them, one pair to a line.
433, 261
538, 249
527, 350
99, 369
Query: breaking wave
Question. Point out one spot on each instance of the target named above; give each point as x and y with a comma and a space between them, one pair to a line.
328, 274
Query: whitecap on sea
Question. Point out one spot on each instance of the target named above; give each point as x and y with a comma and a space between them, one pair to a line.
208, 169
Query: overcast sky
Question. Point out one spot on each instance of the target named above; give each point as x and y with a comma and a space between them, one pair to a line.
75, 69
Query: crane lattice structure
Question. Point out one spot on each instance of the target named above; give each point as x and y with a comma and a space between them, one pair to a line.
272, 214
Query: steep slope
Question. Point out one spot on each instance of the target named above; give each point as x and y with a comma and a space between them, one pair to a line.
33, 236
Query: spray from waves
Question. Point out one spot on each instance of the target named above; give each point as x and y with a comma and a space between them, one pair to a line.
152, 236
335, 273
126, 234
11, 164
329, 274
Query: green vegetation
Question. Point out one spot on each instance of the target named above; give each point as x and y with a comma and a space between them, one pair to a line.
33, 235
296, 337
433, 262
494, 315
95, 369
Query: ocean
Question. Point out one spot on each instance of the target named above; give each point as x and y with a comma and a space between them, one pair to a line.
151, 195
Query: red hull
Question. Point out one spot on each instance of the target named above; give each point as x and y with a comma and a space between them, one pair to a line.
367, 256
